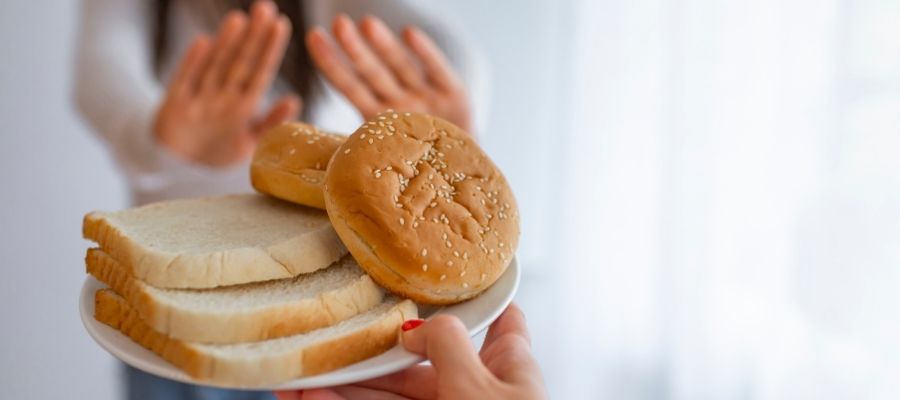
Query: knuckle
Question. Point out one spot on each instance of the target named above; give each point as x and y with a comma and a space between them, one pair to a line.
511, 342
515, 310
447, 323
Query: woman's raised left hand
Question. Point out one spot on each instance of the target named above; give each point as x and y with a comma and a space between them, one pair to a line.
376, 70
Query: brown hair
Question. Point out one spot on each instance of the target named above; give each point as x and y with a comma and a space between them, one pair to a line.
297, 68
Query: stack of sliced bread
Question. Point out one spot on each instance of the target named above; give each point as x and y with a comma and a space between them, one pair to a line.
242, 290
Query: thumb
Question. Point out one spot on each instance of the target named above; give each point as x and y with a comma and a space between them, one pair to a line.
445, 341
287, 107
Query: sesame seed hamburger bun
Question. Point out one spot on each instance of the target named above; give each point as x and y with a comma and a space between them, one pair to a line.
422, 208
290, 161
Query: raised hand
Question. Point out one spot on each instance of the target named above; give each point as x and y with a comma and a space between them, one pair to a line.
376, 71
504, 369
208, 115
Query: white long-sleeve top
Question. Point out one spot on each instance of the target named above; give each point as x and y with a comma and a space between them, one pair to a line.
117, 92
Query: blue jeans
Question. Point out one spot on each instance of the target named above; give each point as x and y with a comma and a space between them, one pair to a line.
140, 385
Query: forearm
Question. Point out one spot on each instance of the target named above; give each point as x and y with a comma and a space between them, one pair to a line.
115, 90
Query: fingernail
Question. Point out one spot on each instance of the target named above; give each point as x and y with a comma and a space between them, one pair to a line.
411, 324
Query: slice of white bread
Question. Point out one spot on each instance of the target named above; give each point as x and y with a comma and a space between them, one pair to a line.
244, 313
271, 361
216, 241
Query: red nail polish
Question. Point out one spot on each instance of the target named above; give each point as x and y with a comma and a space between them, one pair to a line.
411, 324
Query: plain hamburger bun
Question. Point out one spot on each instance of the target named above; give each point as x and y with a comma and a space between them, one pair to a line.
422, 208
290, 160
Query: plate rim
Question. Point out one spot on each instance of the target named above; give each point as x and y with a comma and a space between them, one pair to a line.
511, 278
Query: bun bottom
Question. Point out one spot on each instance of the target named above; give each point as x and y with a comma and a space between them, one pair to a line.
386, 276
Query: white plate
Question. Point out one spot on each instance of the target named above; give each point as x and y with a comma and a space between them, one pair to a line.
476, 314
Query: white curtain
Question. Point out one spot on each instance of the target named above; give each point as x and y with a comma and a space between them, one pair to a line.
732, 199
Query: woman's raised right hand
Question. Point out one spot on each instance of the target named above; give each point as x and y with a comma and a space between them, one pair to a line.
209, 113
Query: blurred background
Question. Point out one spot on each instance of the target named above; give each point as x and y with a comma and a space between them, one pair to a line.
710, 193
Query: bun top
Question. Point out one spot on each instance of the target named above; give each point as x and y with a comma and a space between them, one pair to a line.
427, 204
297, 147
290, 161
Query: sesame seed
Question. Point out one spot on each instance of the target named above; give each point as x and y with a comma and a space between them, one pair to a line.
425, 267
455, 253
371, 141
292, 151
395, 116
363, 136
465, 285
444, 236
462, 274
347, 151
415, 224
402, 221
370, 131
310, 141
449, 244
483, 275
389, 168
424, 252
295, 133
443, 276
449, 263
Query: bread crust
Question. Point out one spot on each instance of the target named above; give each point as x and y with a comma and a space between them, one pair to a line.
290, 160
422, 208
310, 251
248, 325
265, 369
